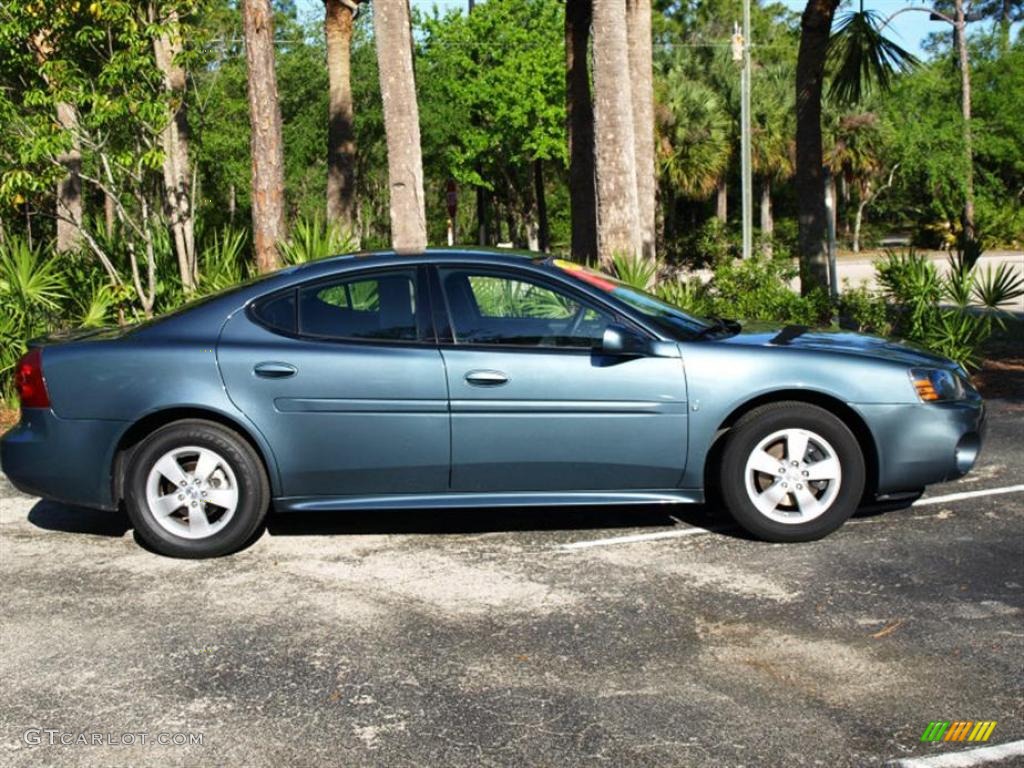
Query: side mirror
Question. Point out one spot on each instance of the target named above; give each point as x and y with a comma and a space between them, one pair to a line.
619, 340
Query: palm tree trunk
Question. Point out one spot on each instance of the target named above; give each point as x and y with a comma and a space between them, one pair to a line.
858, 218
965, 108
401, 124
579, 111
816, 25
618, 226
268, 221
767, 220
641, 67
175, 140
69, 188
543, 229
722, 200
339, 17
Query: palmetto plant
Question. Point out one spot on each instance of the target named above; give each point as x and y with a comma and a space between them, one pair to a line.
221, 261
313, 239
636, 272
32, 289
952, 314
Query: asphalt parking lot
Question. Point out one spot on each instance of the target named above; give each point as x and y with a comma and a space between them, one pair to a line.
519, 638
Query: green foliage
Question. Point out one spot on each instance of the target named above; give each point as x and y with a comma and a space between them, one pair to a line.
222, 261
951, 314
864, 310
32, 289
861, 56
313, 239
637, 272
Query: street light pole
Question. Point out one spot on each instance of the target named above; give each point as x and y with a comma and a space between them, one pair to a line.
747, 196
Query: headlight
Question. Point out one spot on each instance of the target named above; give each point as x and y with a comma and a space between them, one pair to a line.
936, 385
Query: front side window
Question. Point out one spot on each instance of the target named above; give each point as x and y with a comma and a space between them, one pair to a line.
494, 308
380, 306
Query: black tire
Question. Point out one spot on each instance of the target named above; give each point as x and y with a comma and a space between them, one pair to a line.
252, 486
759, 425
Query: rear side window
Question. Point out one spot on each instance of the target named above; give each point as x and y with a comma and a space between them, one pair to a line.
277, 312
381, 306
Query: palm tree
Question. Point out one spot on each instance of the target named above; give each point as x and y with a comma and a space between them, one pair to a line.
772, 145
693, 135
339, 18
638, 25
268, 222
815, 25
860, 57
402, 124
618, 226
579, 114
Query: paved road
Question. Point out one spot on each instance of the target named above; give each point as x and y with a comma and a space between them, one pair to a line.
479, 639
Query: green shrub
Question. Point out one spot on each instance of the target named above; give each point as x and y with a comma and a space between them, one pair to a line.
861, 309
312, 239
953, 314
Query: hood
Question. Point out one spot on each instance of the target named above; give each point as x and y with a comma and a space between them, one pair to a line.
837, 342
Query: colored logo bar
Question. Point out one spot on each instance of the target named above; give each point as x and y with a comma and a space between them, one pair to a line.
958, 730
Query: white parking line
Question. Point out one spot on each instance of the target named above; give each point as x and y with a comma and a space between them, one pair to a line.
965, 759
674, 534
968, 495
691, 531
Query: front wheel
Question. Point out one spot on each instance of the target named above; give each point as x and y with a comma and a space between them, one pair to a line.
196, 489
791, 472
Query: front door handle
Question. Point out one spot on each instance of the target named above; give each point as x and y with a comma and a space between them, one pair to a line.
274, 370
486, 378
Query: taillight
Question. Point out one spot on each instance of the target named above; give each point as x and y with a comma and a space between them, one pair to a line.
28, 380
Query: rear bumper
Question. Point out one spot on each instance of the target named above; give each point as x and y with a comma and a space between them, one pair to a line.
67, 460
921, 444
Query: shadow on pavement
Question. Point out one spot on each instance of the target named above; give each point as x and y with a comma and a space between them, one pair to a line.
54, 516
410, 521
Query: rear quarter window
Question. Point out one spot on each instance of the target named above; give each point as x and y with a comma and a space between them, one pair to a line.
276, 313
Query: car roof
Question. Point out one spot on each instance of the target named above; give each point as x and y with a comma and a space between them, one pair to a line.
474, 254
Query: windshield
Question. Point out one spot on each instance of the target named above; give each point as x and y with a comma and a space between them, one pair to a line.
667, 318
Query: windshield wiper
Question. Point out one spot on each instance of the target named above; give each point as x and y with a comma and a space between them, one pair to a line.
718, 325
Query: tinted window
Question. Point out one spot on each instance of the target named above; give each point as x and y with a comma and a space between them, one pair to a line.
277, 312
379, 306
501, 309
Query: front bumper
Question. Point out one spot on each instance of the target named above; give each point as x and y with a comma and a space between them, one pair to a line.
67, 460
923, 443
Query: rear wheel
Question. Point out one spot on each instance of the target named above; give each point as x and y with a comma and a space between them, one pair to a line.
791, 472
196, 489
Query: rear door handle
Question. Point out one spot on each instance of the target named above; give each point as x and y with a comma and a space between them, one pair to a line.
275, 370
486, 378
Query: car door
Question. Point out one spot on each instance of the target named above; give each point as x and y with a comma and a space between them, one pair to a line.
343, 377
536, 406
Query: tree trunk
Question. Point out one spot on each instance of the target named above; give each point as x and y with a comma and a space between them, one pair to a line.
816, 24
268, 221
483, 230
767, 221
339, 18
393, 30
579, 112
175, 140
857, 219
965, 108
618, 226
722, 201
543, 229
641, 69
108, 214
69, 189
